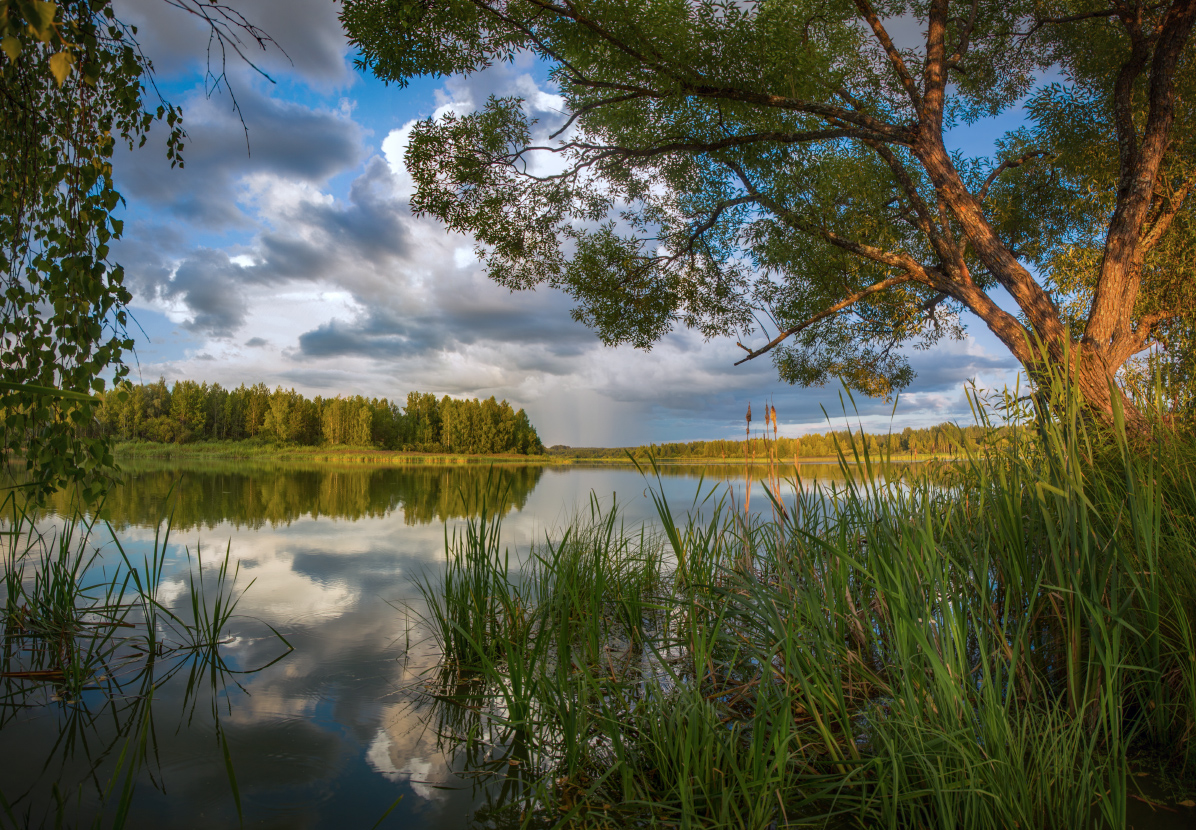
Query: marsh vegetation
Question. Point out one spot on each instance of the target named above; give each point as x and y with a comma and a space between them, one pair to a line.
90, 642
1004, 639
985, 647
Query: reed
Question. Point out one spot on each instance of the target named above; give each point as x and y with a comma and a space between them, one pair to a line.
981, 645
81, 619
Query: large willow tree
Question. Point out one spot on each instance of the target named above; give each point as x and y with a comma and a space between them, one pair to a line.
721, 161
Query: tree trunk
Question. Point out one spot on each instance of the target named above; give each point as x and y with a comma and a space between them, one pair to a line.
1082, 367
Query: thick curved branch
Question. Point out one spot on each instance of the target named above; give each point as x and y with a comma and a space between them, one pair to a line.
938, 234
822, 315
1142, 333
1119, 282
1170, 206
965, 37
1076, 18
1008, 164
907, 80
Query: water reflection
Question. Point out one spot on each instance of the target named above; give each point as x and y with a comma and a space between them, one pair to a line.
333, 734
254, 494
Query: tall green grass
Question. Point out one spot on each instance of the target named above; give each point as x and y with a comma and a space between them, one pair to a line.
982, 646
85, 634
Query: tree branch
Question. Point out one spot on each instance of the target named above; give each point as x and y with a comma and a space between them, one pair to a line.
1119, 282
1158, 224
697, 146
1076, 18
869, 127
617, 99
822, 315
1008, 164
688, 85
599, 153
905, 262
1142, 334
714, 217
907, 81
965, 37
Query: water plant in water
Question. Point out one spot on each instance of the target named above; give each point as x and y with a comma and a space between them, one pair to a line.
981, 645
88, 636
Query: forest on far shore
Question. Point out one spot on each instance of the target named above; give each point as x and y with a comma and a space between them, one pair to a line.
192, 411
942, 439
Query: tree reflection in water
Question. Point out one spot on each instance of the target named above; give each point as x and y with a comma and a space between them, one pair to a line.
331, 736
256, 495
93, 660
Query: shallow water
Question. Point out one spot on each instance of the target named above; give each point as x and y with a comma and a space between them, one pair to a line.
335, 732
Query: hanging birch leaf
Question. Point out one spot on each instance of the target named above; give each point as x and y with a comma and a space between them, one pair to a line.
60, 65
11, 46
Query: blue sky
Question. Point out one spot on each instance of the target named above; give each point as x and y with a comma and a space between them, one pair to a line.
296, 261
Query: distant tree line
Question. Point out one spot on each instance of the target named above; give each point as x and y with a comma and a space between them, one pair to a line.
193, 411
943, 439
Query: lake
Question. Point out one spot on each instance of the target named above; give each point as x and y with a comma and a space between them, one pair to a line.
336, 730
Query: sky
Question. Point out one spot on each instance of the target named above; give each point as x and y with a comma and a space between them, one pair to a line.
285, 252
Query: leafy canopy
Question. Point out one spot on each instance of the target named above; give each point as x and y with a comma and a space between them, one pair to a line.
719, 164
73, 89
75, 85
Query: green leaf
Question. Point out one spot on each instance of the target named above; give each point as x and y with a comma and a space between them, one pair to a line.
60, 65
42, 18
11, 46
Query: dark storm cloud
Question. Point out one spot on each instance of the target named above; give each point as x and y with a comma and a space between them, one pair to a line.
533, 328
683, 385
256, 342
309, 39
369, 227
209, 284
337, 338
285, 139
313, 240
949, 366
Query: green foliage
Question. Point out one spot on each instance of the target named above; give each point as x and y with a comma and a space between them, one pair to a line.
72, 79
200, 411
722, 163
980, 651
943, 439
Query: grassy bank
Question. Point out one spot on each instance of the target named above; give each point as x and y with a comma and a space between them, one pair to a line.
1008, 646
271, 451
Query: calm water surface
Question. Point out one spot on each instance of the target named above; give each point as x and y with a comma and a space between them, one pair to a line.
334, 733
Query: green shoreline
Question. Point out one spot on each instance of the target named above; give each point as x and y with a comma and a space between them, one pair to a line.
243, 450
